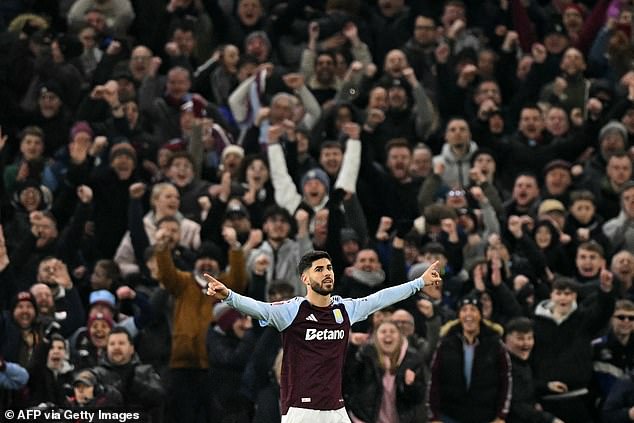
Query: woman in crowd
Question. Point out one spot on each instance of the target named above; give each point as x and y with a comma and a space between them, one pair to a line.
386, 379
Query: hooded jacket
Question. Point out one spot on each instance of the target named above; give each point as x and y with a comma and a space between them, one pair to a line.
456, 169
563, 349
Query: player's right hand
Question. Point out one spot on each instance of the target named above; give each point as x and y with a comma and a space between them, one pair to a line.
215, 288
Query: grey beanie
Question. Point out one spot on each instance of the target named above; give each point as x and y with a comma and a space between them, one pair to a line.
613, 126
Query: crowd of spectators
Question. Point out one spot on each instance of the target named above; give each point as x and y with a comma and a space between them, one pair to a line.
146, 142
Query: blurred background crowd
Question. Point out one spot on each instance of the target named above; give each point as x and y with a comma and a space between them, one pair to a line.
144, 143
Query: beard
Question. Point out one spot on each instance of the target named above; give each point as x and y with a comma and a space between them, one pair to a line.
320, 289
200, 279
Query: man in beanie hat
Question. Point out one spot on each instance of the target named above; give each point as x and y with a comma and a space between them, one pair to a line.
123, 160
613, 138
77, 153
189, 384
231, 159
558, 180
117, 14
111, 196
88, 347
471, 370
315, 186
89, 392
81, 127
21, 332
51, 115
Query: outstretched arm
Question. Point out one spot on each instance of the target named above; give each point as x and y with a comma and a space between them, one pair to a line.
360, 308
279, 315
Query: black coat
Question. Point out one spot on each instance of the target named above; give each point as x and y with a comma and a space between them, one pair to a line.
488, 396
563, 351
44, 385
523, 400
365, 387
228, 357
139, 384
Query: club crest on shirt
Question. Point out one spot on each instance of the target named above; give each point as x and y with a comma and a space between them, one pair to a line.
338, 315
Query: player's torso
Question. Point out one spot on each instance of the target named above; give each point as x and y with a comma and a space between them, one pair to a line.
314, 352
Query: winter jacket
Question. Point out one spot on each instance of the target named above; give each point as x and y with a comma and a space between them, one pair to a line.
45, 384
193, 309
456, 169
365, 388
228, 357
620, 231
611, 361
139, 384
620, 400
283, 261
489, 395
563, 350
523, 401
595, 226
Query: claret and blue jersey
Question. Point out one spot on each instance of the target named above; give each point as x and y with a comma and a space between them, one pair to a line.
315, 339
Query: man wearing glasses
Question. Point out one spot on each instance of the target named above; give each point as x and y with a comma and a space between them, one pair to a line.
613, 354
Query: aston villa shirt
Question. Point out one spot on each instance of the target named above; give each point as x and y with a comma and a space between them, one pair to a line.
315, 339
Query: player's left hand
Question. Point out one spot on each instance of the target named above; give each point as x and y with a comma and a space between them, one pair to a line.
431, 277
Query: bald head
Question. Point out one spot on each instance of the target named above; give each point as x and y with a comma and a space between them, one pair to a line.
43, 297
404, 320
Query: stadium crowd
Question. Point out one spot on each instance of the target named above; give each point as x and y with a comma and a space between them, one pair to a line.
147, 142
